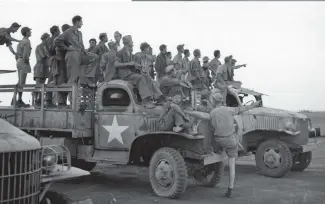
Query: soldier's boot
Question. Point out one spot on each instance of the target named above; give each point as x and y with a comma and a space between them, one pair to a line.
228, 193
21, 103
49, 104
147, 103
63, 106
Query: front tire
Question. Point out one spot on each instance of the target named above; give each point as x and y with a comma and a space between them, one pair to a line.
52, 197
273, 158
168, 173
301, 161
210, 175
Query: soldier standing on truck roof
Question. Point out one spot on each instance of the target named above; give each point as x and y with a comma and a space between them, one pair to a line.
92, 44
55, 31
107, 62
41, 68
125, 71
232, 69
161, 62
221, 82
23, 65
81, 65
169, 58
59, 69
215, 63
143, 61
222, 120
196, 76
5, 37
151, 63
99, 50
178, 59
206, 71
118, 38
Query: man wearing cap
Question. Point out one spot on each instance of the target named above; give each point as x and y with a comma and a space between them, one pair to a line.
5, 37
169, 84
143, 62
118, 37
107, 62
222, 121
125, 70
161, 62
81, 65
205, 104
92, 44
206, 71
41, 69
99, 50
23, 65
196, 72
178, 59
215, 63
221, 82
232, 68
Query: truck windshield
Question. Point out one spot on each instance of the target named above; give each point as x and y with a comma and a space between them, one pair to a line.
247, 99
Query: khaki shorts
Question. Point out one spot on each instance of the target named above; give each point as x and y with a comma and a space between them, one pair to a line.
229, 144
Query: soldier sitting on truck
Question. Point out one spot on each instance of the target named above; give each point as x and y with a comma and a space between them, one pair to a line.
126, 71
223, 123
173, 117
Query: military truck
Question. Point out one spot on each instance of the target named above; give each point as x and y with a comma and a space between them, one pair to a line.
280, 140
27, 169
116, 129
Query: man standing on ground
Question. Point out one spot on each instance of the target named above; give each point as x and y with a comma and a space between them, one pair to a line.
118, 37
222, 120
161, 62
221, 82
23, 65
125, 66
215, 63
5, 37
81, 65
99, 50
107, 62
92, 44
41, 69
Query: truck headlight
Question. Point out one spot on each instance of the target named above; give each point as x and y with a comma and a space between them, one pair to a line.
289, 126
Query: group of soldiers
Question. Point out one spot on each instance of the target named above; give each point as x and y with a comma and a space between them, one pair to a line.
62, 58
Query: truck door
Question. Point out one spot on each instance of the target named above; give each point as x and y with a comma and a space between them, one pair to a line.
114, 120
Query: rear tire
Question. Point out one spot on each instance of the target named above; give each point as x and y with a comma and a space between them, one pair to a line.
52, 197
168, 173
212, 179
273, 158
301, 161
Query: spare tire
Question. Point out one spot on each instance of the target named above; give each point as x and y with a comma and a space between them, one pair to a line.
273, 158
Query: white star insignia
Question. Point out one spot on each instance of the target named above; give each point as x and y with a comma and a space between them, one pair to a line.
115, 131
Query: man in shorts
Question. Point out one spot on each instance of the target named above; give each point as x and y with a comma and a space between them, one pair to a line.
222, 120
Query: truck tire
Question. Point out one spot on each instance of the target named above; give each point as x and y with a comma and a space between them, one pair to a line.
301, 161
204, 179
168, 173
273, 158
82, 164
52, 197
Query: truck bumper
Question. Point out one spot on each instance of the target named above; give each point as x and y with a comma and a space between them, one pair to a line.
214, 158
73, 172
311, 145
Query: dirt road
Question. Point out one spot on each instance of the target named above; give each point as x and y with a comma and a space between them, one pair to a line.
251, 188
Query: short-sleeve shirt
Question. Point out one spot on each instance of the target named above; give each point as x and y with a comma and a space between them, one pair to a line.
123, 56
100, 49
222, 120
215, 63
4, 37
178, 61
24, 46
195, 66
223, 70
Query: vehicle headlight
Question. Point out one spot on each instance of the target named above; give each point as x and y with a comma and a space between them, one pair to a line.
49, 160
289, 126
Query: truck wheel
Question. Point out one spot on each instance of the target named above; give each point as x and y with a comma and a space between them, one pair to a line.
52, 197
168, 173
210, 175
301, 161
273, 158
82, 164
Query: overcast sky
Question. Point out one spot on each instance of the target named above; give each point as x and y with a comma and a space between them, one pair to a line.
282, 43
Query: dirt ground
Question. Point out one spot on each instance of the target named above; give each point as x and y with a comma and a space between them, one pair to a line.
132, 186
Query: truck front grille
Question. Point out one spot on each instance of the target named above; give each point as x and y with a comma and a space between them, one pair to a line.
20, 174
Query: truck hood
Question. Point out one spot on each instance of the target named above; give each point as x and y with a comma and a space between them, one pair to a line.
265, 111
